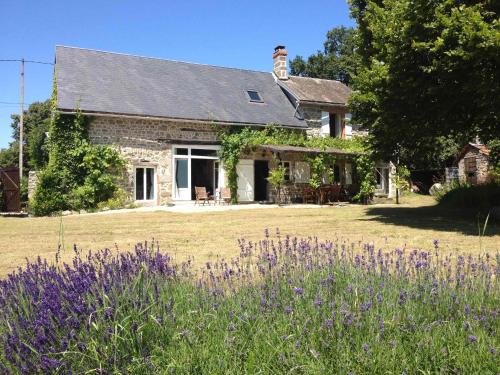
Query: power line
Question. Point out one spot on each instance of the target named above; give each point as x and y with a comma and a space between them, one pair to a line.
27, 61
16, 103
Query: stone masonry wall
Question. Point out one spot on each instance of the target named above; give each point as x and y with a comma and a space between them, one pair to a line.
148, 143
312, 116
32, 181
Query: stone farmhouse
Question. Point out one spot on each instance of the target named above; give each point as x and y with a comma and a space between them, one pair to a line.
161, 116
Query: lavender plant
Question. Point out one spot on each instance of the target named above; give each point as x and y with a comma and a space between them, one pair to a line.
283, 305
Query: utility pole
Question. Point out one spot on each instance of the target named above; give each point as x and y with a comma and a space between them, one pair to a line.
21, 125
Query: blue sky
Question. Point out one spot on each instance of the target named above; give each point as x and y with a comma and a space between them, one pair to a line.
228, 33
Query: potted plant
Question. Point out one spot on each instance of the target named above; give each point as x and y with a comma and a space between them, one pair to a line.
276, 179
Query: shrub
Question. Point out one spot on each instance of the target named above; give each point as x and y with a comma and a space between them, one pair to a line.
494, 160
283, 305
477, 197
120, 199
49, 196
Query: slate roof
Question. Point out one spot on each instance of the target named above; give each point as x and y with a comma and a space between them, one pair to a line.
105, 82
316, 90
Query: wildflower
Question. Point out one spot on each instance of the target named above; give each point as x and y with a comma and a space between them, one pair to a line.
288, 310
466, 326
365, 347
467, 309
472, 339
329, 323
318, 301
402, 297
298, 290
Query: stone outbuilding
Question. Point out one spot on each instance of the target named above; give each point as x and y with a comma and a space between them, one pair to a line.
473, 163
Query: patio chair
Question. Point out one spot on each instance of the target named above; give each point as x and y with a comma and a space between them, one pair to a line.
335, 193
225, 195
201, 195
308, 195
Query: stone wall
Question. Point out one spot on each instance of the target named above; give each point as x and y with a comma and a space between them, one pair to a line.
32, 181
482, 164
312, 116
144, 142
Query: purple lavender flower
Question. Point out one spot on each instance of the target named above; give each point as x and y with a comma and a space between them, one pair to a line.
288, 310
318, 301
329, 323
298, 290
472, 339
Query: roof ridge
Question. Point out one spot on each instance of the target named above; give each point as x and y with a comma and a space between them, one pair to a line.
162, 59
321, 79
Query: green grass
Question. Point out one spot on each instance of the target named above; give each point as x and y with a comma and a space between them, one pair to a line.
414, 223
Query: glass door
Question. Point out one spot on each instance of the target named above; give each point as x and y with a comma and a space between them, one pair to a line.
145, 189
194, 166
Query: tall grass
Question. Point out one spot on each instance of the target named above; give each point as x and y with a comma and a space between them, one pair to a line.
284, 305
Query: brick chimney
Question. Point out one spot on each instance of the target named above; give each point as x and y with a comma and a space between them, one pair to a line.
279, 59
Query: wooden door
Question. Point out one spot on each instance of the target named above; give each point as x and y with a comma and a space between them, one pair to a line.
9, 179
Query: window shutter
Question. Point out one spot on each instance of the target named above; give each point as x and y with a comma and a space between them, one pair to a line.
325, 124
302, 172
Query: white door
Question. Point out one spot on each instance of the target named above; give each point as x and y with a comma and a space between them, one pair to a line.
245, 170
181, 179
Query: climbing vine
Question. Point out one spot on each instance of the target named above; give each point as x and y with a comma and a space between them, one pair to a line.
236, 141
79, 175
365, 167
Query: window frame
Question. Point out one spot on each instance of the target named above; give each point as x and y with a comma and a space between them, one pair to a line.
288, 173
260, 100
144, 181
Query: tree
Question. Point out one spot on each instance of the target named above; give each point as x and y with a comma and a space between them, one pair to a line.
336, 61
277, 179
429, 77
36, 125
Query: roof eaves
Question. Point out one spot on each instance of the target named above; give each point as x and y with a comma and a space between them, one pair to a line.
214, 121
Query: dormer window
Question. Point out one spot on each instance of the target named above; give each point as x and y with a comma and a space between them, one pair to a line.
254, 96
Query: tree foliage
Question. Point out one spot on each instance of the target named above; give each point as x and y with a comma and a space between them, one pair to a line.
429, 79
35, 124
336, 61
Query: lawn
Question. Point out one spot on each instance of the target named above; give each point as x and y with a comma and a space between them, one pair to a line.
415, 223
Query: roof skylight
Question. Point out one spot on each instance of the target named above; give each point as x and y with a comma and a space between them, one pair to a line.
254, 96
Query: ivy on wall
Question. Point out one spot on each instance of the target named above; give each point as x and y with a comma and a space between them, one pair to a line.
237, 141
79, 175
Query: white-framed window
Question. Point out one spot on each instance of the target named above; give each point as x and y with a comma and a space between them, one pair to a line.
145, 183
325, 124
288, 167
